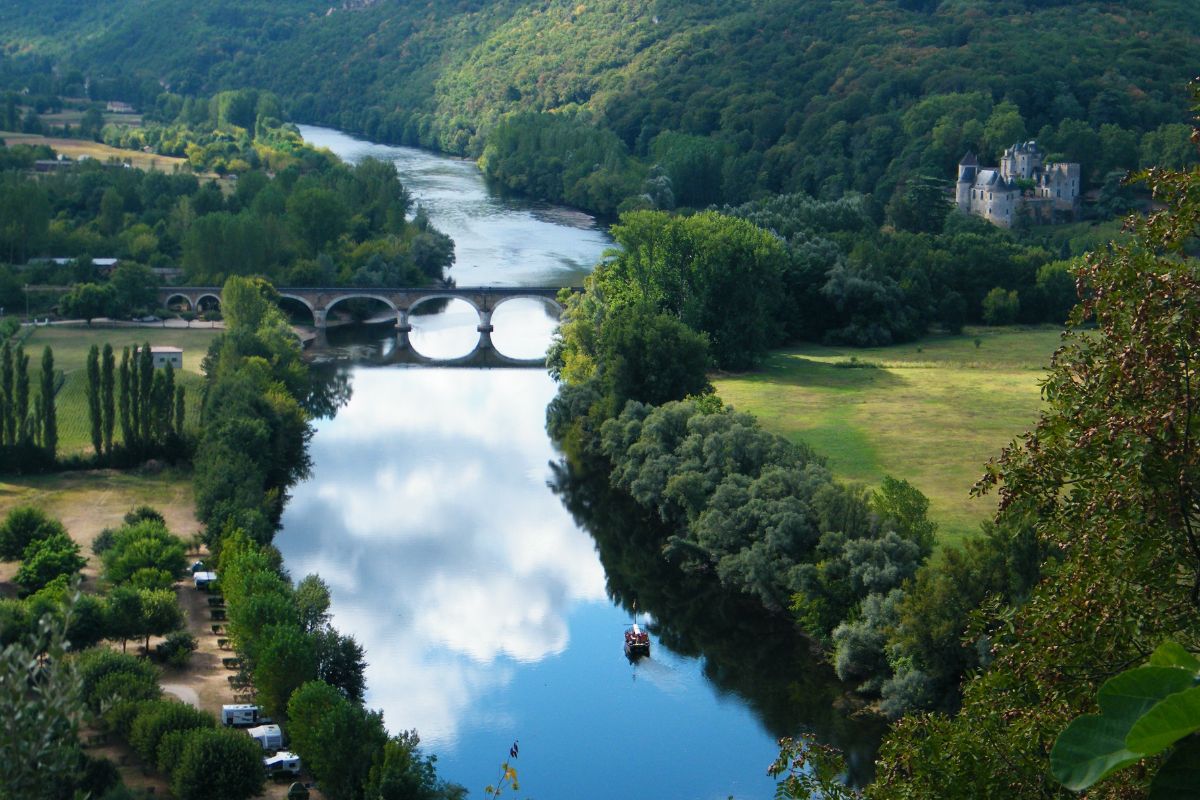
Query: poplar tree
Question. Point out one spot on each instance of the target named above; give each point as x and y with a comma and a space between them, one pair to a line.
93, 398
21, 401
167, 402
8, 415
135, 401
146, 386
106, 396
179, 411
49, 416
123, 383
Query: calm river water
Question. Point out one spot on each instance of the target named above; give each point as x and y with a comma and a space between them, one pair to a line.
462, 557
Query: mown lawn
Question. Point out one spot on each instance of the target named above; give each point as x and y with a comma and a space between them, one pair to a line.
931, 412
70, 346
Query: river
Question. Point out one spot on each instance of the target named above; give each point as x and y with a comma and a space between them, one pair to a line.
472, 567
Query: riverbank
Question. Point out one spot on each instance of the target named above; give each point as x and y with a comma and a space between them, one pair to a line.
930, 412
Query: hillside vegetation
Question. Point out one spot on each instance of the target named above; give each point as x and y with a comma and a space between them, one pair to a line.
819, 96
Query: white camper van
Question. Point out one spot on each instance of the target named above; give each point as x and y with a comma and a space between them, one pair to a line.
282, 763
240, 714
203, 580
270, 737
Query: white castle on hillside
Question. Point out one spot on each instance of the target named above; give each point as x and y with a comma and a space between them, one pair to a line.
1024, 182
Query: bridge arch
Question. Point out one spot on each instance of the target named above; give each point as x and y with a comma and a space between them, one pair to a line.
214, 299
435, 295
181, 296
293, 303
341, 298
549, 302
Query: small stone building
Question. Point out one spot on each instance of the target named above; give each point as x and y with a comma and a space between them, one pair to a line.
1025, 183
163, 355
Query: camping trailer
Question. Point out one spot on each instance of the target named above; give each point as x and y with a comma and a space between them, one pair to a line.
203, 580
241, 714
270, 737
282, 763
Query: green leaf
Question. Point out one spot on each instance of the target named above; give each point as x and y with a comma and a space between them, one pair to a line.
1173, 718
1171, 654
1090, 748
1179, 776
1126, 697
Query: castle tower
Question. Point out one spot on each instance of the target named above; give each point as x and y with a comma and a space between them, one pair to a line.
967, 170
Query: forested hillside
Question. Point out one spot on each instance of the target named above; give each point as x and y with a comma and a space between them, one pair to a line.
819, 96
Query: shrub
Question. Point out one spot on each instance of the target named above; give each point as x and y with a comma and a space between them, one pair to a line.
218, 762
161, 717
46, 559
178, 648
103, 541
94, 665
22, 526
143, 513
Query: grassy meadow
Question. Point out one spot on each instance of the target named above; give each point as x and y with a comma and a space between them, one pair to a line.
70, 346
77, 148
931, 412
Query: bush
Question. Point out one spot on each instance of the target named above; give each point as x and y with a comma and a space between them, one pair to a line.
46, 559
157, 719
22, 526
218, 762
94, 665
178, 648
143, 513
146, 544
103, 541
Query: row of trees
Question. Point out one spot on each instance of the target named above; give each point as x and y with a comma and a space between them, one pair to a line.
302, 671
28, 425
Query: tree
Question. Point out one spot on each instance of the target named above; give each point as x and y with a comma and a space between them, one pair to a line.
46, 559
87, 301
312, 600
24, 525
94, 402
157, 719
145, 397
341, 663
285, 658
1000, 307
7, 399
401, 772
21, 412
124, 384
337, 739
106, 398
1112, 469
160, 613
134, 287
41, 704
48, 413
141, 547
218, 763
123, 614
651, 357
180, 416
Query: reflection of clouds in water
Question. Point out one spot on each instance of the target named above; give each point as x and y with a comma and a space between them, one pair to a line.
446, 560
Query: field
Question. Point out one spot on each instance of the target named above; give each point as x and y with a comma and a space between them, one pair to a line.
70, 346
931, 412
74, 148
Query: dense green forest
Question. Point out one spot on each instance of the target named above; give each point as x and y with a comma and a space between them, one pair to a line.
713, 101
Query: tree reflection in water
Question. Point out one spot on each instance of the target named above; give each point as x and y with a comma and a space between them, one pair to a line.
759, 657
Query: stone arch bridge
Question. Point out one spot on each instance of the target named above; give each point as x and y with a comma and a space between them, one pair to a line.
403, 302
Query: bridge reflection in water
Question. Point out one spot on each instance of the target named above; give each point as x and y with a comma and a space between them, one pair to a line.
403, 302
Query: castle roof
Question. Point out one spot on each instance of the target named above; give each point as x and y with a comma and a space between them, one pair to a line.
969, 160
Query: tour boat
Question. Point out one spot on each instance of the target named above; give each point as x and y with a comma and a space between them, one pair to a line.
637, 643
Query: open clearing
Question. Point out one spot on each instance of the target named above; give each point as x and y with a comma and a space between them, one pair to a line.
931, 412
75, 148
